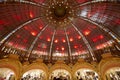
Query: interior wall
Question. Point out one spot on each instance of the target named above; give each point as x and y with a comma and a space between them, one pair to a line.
101, 68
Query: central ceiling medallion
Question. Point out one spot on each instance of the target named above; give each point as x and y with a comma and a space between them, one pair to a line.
59, 13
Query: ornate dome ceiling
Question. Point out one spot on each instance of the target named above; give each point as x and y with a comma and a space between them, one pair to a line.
58, 29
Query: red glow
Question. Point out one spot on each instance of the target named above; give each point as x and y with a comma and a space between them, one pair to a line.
71, 39
39, 45
89, 14
63, 48
44, 46
68, 33
34, 33
48, 40
118, 21
2, 22
64, 40
40, 27
57, 48
10, 43
75, 46
25, 40
86, 32
17, 17
81, 1
31, 15
26, 27
101, 37
18, 36
79, 37
97, 38
56, 41
93, 27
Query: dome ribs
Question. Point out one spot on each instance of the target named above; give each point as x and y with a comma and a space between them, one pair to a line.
86, 42
106, 30
35, 40
51, 45
68, 42
15, 30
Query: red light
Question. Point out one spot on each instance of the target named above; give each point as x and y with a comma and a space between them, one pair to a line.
86, 32
89, 15
71, 39
31, 15
44, 46
98, 38
63, 41
101, 37
26, 27
48, 40
75, 46
40, 27
98, 47
79, 37
33, 33
56, 41
57, 48
94, 40
63, 48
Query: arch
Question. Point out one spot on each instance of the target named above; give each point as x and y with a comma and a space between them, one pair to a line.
60, 65
60, 73
35, 73
86, 73
38, 66
108, 63
81, 65
7, 73
113, 73
13, 65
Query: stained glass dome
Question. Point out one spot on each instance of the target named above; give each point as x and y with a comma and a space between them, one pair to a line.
59, 29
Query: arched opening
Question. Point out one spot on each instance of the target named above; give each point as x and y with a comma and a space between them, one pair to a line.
86, 74
113, 74
60, 74
34, 74
7, 74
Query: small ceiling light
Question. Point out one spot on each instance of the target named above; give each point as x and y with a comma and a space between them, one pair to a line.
57, 48
40, 27
34, 33
101, 37
56, 41
75, 46
86, 32
64, 40
79, 37
31, 15
63, 48
71, 39
48, 40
